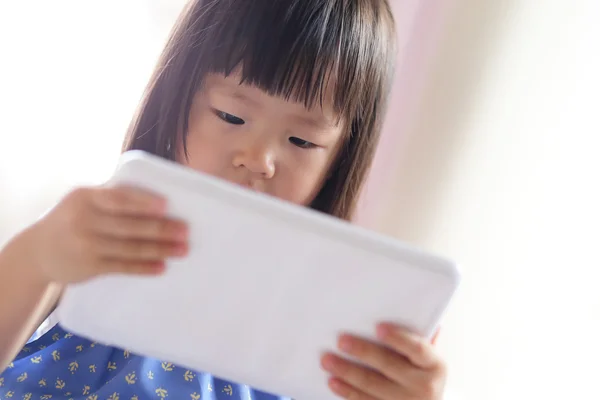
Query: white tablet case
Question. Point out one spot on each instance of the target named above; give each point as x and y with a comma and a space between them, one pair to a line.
265, 290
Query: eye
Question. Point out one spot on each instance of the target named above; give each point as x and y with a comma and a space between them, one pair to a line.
229, 118
303, 144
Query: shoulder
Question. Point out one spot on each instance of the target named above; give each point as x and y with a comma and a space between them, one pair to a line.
50, 340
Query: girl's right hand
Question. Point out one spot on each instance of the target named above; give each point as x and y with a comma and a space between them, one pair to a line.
98, 231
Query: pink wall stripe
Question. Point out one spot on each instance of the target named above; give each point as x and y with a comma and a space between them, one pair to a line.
422, 20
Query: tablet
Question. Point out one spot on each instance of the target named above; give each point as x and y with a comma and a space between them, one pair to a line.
265, 290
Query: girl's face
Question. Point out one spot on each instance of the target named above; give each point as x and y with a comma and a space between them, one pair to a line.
243, 135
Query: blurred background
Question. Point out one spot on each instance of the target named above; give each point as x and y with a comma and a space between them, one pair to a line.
489, 156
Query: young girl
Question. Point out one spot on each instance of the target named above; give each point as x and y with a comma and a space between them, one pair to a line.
282, 96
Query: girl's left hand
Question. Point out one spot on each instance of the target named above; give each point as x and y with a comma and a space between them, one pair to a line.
402, 367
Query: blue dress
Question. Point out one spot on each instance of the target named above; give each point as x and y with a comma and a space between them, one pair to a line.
58, 365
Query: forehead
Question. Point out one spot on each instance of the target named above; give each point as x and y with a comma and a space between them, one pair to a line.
320, 114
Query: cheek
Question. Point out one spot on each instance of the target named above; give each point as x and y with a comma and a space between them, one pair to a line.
205, 151
300, 185
311, 177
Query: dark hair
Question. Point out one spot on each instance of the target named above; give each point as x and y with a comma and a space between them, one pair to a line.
289, 48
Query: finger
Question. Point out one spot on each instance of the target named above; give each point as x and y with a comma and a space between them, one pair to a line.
366, 380
392, 365
143, 228
118, 266
138, 250
346, 391
413, 347
128, 201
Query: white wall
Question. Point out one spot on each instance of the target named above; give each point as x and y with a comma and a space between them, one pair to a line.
71, 74
500, 170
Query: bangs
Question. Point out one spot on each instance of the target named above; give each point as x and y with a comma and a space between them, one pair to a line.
327, 53
309, 51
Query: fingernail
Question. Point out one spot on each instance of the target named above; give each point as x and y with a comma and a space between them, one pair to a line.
157, 267
159, 205
181, 249
384, 331
337, 387
334, 384
327, 363
182, 233
345, 344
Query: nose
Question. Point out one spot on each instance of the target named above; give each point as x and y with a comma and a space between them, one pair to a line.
256, 158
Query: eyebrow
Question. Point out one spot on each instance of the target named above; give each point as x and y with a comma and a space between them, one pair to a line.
235, 92
319, 123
